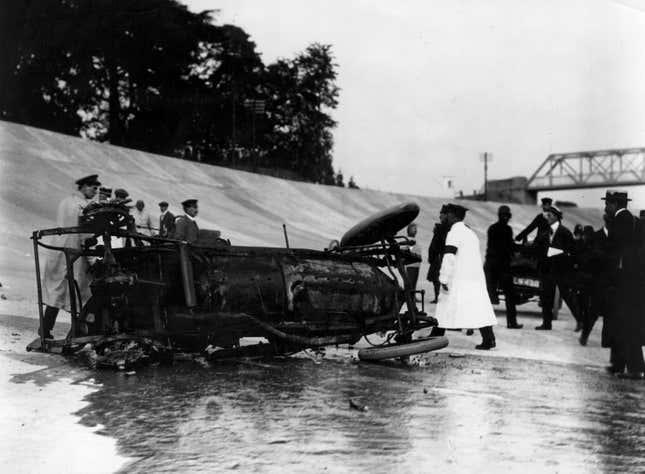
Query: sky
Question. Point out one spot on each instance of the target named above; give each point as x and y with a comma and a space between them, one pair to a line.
427, 86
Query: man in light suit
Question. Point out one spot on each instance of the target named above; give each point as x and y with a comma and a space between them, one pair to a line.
56, 294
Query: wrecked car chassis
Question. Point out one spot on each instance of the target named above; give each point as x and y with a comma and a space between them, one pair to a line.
212, 294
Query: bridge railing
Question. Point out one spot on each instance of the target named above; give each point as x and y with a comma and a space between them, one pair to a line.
590, 169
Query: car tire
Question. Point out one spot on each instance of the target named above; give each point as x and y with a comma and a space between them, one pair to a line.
393, 351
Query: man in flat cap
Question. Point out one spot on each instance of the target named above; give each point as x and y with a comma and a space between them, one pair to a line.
121, 194
463, 300
539, 222
497, 266
185, 226
55, 286
556, 268
625, 325
166, 220
435, 251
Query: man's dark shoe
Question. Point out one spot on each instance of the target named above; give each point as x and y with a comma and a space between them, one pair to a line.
515, 326
434, 301
470, 332
632, 375
613, 370
542, 327
584, 337
485, 346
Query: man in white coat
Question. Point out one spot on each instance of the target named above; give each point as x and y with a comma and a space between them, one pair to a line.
463, 299
55, 287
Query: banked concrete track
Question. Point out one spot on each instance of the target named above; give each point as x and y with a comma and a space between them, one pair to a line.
38, 168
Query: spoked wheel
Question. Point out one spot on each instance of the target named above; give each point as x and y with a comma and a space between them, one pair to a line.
392, 351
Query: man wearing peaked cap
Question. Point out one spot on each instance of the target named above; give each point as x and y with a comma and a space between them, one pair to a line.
458, 210
556, 268
555, 211
91, 180
624, 328
185, 226
463, 300
435, 251
166, 220
55, 288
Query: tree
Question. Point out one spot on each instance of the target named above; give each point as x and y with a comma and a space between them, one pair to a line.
352, 184
302, 91
152, 75
226, 75
111, 70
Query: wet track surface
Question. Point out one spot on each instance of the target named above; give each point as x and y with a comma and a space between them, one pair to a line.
445, 414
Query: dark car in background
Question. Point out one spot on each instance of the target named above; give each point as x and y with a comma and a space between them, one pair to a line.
525, 275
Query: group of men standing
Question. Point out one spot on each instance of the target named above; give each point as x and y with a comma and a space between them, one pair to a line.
598, 273
181, 227
55, 287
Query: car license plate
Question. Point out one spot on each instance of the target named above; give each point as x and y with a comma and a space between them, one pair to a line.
530, 282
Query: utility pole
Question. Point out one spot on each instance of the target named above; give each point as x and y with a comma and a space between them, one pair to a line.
486, 157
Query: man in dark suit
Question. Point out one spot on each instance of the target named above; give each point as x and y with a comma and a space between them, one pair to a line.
185, 226
435, 251
166, 220
625, 334
556, 267
497, 266
539, 222
596, 281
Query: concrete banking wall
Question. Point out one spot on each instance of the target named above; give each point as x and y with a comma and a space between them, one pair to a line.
38, 168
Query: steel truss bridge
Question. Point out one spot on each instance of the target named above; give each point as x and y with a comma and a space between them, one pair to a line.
589, 169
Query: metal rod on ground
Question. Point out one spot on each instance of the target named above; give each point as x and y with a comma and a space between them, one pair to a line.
286, 237
40, 291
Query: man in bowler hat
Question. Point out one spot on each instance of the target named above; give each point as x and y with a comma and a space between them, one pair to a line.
625, 331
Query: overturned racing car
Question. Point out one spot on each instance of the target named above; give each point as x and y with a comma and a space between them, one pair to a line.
172, 295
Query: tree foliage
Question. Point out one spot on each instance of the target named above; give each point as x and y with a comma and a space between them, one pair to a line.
152, 75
